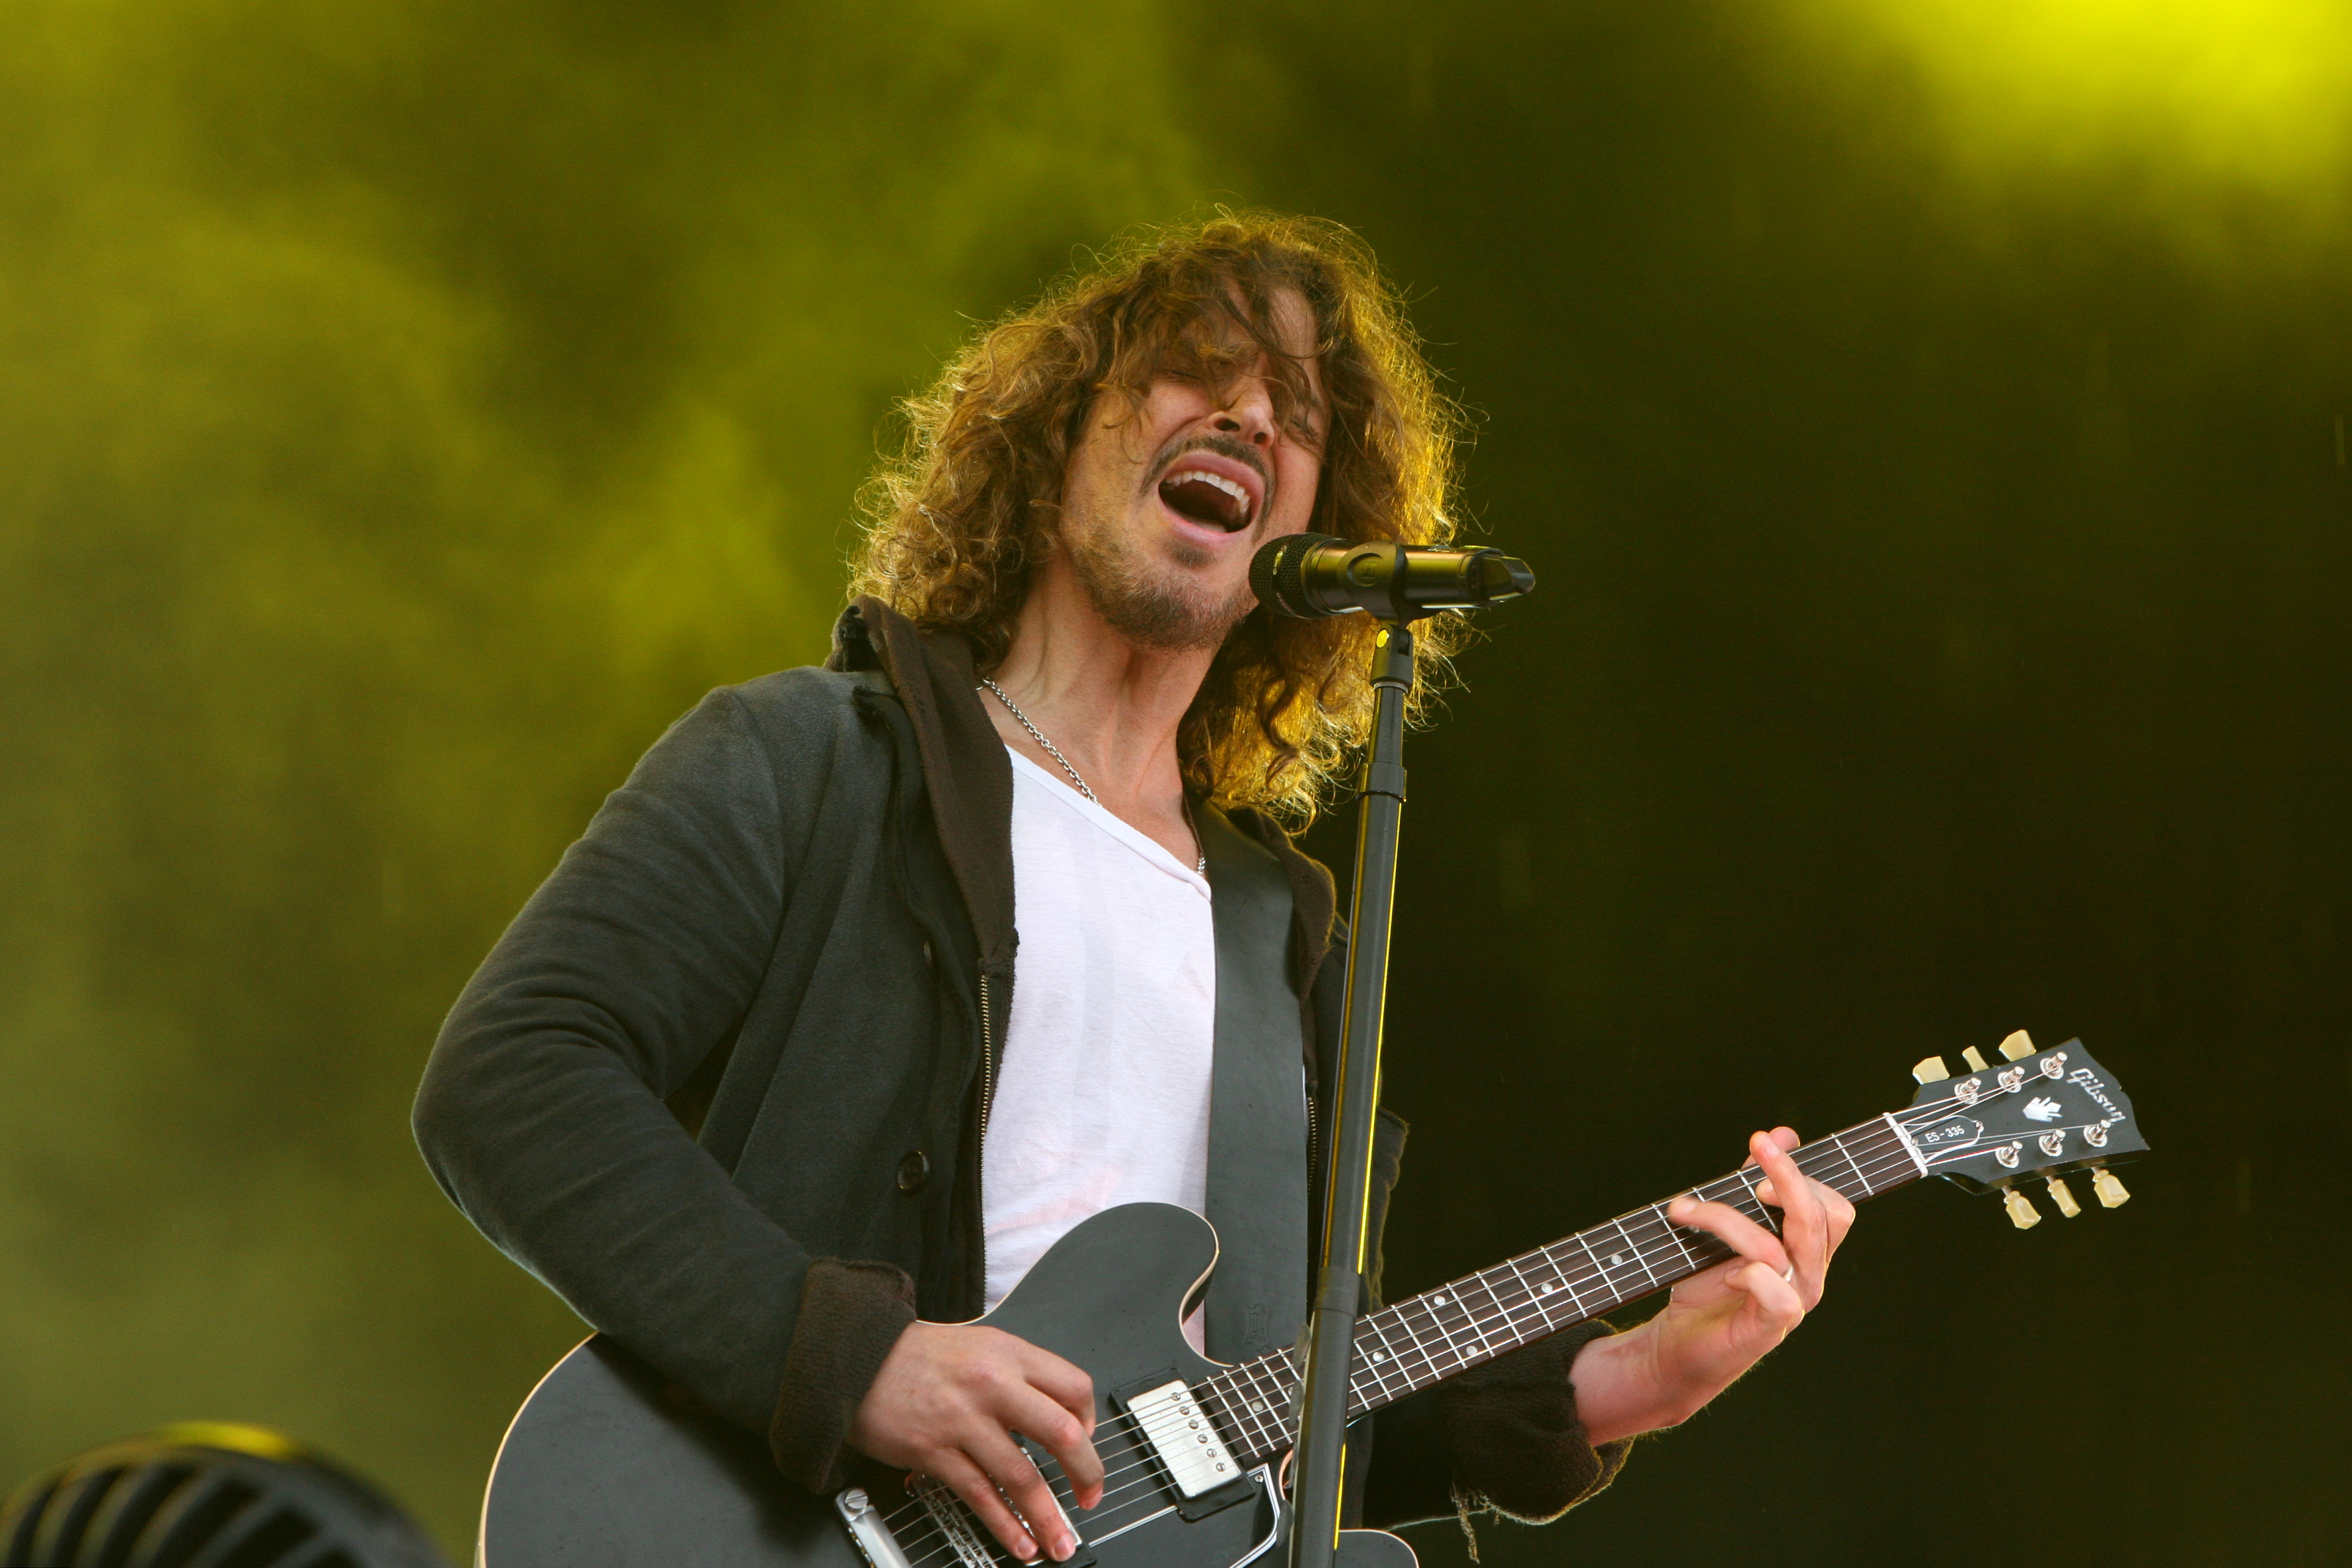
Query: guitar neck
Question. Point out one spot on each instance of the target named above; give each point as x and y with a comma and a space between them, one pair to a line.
1411, 1344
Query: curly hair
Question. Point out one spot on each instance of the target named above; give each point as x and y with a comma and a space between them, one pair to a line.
958, 516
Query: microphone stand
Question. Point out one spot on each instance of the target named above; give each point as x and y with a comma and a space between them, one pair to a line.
1330, 1338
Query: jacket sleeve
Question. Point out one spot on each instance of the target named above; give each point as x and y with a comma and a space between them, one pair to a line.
1503, 1437
541, 1109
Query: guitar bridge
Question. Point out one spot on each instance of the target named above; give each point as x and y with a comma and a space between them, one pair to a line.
874, 1541
964, 1533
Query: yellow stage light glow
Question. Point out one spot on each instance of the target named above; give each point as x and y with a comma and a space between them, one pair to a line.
2251, 91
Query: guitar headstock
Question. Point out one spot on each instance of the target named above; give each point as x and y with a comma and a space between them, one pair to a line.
2034, 1115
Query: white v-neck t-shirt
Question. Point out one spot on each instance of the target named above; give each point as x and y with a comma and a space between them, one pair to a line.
1102, 1096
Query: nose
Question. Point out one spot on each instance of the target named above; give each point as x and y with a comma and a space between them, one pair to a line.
1249, 413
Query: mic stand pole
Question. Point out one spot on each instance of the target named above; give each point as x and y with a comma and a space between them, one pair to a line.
1339, 1292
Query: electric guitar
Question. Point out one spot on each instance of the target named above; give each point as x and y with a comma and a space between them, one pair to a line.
605, 1467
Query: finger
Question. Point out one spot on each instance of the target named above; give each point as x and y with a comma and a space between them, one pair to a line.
1840, 1213
1049, 1423
1776, 1298
1771, 1150
1072, 1393
1018, 1477
1804, 1219
1784, 1137
1735, 1230
979, 1493
1065, 1384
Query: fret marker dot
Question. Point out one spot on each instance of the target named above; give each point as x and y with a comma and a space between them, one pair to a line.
1437, 1300
1615, 1258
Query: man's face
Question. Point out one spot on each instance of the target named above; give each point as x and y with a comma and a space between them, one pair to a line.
1164, 506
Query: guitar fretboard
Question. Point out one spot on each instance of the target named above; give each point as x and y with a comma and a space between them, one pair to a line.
1410, 1344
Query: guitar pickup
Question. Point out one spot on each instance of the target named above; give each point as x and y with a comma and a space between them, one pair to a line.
1185, 1439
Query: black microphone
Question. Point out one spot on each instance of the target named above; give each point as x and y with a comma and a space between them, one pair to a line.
1314, 575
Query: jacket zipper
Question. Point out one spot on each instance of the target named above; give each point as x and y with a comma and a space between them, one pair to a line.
980, 1150
987, 1058
1312, 1139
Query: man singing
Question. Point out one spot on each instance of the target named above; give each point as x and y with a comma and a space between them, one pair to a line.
875, 980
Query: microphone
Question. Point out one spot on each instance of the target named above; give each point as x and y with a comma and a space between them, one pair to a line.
1313, 574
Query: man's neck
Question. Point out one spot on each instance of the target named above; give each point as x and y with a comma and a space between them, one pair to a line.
1111, 706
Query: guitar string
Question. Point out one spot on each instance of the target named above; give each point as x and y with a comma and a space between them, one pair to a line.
1514, 1311
1515, 1304
930, 1544
917, 1507
1481, 1322
940, 1542
1814, 1160
1825, 1153
916, 1510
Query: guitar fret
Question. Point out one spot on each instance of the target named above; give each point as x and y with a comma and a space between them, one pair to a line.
1676, 1232
1855, 1166
1388, 1363
1450, 1298
1265, 1415
1443, 1332
1575, 1287
1502, 1313
1560, 1281
1276, 1392
1410, 1344
1593, 1258
1217, 1398
1371, 1361
1264, 1425
1543, 1314
1243, 1422
1420, 1346
1635, 1248
1468, 1324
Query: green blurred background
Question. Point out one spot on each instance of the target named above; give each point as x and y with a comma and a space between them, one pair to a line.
1928, 421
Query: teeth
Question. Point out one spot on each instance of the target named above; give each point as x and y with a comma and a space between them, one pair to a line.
1219, 481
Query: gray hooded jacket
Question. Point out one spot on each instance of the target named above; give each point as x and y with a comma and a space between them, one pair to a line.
720, 1085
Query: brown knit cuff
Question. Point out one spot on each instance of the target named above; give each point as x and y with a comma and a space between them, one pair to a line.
850, 1315
1518, 1448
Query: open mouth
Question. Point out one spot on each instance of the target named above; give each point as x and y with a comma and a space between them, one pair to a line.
1211, 499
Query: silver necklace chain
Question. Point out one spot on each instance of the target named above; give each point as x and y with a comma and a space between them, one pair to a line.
1055, 752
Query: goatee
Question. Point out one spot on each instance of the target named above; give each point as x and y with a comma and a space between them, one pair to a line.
1147, 613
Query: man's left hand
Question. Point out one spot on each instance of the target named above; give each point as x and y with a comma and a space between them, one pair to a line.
1717, 1324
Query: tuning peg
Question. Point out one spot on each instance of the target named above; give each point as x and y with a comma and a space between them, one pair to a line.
2110, 1191
1931, 1069
2018, 1046
2022, 1211
1975, 1058
2063, 1198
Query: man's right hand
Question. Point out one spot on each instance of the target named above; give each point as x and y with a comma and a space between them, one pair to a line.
946, 1403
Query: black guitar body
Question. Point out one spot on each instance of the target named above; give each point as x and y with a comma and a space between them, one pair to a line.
604, 1467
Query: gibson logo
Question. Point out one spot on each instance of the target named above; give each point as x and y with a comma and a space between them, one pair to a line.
2043, 1108
2081, 1078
